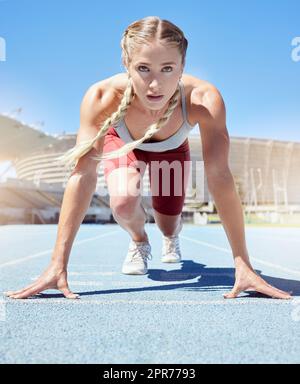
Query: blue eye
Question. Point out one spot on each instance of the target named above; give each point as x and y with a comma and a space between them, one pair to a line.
142, 66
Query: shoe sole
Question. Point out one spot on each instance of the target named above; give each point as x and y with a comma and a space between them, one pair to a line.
170, 261
134, 273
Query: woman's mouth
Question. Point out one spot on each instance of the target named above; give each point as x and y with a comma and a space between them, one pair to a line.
155, 98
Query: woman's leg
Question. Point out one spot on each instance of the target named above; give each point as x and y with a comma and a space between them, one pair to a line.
123, 178
170, 225
127, 206
169, 175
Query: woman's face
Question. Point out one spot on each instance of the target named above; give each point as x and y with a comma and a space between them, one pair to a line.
155, 70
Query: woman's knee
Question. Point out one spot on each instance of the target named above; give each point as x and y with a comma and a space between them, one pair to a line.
124, 206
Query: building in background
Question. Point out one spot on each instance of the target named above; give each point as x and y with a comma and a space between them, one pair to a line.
266, 174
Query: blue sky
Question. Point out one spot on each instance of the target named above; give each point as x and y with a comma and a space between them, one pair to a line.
56, 49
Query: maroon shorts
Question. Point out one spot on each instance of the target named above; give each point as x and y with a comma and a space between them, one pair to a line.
168, 171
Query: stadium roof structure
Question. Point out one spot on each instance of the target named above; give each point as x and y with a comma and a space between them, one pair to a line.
19, 140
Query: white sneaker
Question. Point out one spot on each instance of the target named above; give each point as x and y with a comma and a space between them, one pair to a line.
136, 259
171, 250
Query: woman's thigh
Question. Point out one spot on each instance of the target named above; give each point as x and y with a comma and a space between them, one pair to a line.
123, 175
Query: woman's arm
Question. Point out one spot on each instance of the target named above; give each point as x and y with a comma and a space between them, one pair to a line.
215, 148
76, 200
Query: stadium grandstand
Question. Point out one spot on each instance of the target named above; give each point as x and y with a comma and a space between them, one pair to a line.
266, 174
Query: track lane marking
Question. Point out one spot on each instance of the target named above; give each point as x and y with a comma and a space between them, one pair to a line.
226, 250
81, 301
46, 252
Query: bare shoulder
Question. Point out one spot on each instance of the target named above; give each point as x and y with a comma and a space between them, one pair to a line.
101, 98
97, 105
204, 98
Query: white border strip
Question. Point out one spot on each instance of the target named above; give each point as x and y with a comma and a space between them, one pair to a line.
80, 301
226, 250
275, 237
39, 254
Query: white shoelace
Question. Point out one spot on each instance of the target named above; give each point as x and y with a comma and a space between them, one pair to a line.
171, 245
141, 252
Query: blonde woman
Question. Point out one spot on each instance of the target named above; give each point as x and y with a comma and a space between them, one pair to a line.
139, 118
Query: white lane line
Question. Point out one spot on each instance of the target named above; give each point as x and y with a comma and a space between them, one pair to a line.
92, 273
148, 302
86, 274
83, 265
86, 283
275, 237
150, 284
46, 252
139, 284
226, 250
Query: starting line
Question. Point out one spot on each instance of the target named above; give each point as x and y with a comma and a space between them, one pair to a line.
238, 301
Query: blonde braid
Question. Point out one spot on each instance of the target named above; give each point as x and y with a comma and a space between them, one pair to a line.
153, 128
74, 154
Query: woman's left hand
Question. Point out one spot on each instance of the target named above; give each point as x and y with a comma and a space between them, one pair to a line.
246, 279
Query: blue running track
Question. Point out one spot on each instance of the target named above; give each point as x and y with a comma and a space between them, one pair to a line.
174, 314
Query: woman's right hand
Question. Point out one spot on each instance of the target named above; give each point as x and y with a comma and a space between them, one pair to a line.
52, 278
